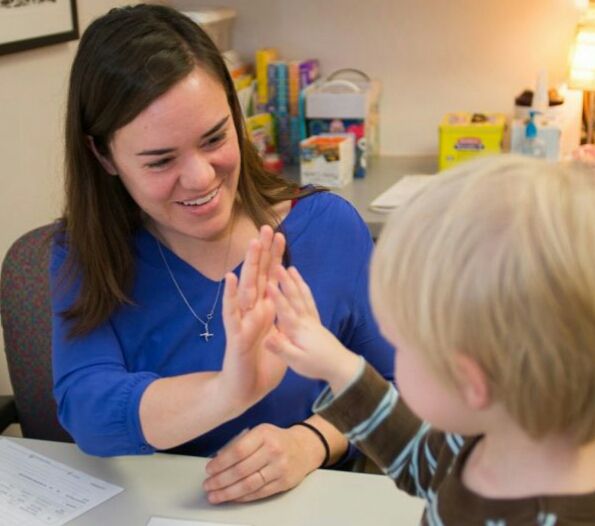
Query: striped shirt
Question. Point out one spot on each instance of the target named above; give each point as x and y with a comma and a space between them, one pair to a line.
428, 463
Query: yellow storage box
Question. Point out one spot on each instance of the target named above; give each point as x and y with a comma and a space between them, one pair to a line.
466, 135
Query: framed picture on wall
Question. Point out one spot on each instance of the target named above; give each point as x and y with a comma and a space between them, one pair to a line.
27, 24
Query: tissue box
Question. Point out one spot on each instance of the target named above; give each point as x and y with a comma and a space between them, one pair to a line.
327, 160
467, 135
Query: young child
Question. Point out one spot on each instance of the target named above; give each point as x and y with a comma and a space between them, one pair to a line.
485, 282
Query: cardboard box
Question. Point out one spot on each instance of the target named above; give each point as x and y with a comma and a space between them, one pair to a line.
346, 106
217, 23
466, 135
327, 160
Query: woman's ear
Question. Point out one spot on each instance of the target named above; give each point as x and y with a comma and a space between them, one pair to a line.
107, 164
472, 381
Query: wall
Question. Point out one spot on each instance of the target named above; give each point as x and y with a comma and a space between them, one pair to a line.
432, 57
32, 102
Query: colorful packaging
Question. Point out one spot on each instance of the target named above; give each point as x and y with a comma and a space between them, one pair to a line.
327, 160
464, 136
263, 57
261, 132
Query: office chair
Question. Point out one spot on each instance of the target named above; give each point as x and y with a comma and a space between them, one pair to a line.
26, 322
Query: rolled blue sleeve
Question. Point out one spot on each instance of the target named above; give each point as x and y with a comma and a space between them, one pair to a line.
98, 398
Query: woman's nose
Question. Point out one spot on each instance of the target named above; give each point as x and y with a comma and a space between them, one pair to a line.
197, 172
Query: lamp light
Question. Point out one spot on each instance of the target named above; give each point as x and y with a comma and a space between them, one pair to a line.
582, 70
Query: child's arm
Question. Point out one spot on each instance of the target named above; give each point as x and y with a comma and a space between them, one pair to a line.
362, 405
374, 418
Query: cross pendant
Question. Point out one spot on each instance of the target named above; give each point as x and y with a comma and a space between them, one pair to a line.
206, 335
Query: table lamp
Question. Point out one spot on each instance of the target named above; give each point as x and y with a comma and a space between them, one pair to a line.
582, 66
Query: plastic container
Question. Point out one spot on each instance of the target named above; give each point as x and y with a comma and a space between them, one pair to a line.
217, 22
532, 145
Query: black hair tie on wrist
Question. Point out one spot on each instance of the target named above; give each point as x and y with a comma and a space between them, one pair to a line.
316, 431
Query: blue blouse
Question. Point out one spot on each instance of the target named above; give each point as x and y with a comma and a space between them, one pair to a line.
99, 378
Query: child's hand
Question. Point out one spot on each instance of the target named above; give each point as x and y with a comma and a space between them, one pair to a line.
308, 347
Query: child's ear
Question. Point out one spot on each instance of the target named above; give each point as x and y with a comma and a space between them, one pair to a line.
107, 164
473, 383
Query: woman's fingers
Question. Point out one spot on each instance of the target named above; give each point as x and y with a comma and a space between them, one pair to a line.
238, 469
271, 488
266, 242
236, 452
248, 283
231, 318
277, 251
275, 465
258, 265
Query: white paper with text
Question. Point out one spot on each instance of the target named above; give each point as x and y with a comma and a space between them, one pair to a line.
36, 490
162, 521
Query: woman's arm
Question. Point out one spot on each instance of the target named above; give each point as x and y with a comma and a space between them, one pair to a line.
173, 410
111, 411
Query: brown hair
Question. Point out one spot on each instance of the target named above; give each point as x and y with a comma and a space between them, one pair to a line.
126, 59
494, 259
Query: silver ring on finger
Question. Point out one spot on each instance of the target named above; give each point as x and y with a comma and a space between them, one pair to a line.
264, 481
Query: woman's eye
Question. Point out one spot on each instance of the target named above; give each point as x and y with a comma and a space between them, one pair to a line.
160, 163
215, 139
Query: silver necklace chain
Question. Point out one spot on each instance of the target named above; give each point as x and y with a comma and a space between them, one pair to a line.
206, 334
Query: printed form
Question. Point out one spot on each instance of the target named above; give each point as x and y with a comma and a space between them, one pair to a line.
36, 490
162, 521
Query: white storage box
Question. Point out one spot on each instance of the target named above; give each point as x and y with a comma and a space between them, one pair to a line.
327, 160
339, 105
217, 22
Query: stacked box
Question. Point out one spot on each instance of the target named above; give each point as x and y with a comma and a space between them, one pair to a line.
464, 136
327, 160
346, 106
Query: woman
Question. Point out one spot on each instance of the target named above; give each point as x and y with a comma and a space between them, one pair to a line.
164, 196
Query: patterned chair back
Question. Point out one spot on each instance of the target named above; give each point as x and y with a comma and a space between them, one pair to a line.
25, 308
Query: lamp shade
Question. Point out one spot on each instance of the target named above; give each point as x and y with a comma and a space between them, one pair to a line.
582, 65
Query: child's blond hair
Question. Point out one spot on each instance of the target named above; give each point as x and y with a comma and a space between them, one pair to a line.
496, 259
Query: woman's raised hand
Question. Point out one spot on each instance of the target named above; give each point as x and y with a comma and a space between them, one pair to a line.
249, 370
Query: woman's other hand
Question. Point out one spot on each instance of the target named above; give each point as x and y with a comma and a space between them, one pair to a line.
261, 462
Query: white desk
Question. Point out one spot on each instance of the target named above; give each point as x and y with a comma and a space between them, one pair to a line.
170, 486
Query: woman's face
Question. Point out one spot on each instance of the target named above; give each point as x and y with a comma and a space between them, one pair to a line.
180, 160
